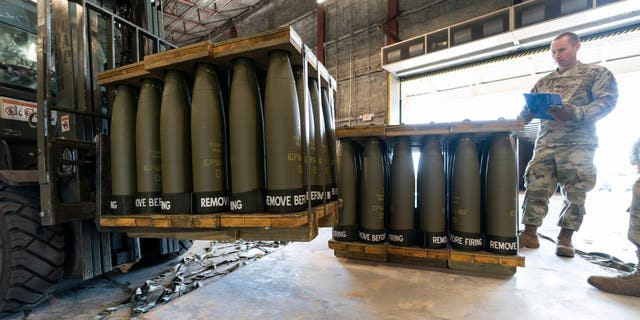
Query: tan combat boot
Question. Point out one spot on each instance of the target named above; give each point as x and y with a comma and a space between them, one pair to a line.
529, 237
628, 284
564, 247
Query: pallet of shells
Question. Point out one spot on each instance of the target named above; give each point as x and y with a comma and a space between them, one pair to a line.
215, 141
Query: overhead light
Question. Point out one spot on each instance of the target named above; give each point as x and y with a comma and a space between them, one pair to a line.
320, 1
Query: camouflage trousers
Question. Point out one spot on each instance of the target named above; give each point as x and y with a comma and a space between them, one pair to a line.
572, 168
634, 218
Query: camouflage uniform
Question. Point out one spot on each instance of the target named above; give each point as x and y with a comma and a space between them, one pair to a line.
564, 150
634, 210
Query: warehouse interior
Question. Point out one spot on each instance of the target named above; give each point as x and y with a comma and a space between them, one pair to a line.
470, 75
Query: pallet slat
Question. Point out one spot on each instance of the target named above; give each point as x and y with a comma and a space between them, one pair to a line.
130, 74
182, 58
482, 262
431, 129
220, 220
221, 54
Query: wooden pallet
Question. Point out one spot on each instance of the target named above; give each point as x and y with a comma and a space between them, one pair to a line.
131, 74
482, 263
431, 129
221, 54
298, 226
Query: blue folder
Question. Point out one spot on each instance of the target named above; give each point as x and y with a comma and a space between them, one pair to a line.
538, 103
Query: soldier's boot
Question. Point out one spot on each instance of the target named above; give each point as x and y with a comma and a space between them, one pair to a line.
564, 247
628, 284
529, 237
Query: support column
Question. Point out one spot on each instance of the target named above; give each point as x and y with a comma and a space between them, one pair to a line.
321, 32
392, 22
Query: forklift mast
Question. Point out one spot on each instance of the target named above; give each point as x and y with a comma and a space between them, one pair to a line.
77, 39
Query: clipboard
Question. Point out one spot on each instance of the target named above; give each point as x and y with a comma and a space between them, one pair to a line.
538, 103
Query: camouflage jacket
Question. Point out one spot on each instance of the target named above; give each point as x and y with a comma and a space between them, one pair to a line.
635, 153
591, 89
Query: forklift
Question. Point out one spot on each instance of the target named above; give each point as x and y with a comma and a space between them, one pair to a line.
52, 111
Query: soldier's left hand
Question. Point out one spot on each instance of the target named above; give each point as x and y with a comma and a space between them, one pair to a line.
561, 113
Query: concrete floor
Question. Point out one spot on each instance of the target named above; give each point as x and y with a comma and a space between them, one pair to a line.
306, 281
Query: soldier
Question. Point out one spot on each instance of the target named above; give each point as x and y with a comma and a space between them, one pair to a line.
628, 284
565, 147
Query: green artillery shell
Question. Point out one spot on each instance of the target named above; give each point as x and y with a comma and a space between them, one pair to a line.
465, 231
123, 151
322, 148
346, 229
372, 194
208, 147
283, 138
308, 141
148, 147
402, 195
501, 197
330, 131
432, 230
175, 144
246, 140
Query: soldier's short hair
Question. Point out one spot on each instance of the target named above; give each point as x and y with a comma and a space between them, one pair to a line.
573, 38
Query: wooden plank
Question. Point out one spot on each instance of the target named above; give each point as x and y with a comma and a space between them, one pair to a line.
359, 132
431, 129
492, 270
130, 74
303, 233
419, 262
418, 130
144, 222
337, 245
375, 249
220, 220
224, 226
206, 221
361, 256
184, 58
277, 38
255, 47
221, 235
116, 221
487, 126
232, 220
478, 262
438, 254
487, 258
161, 223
